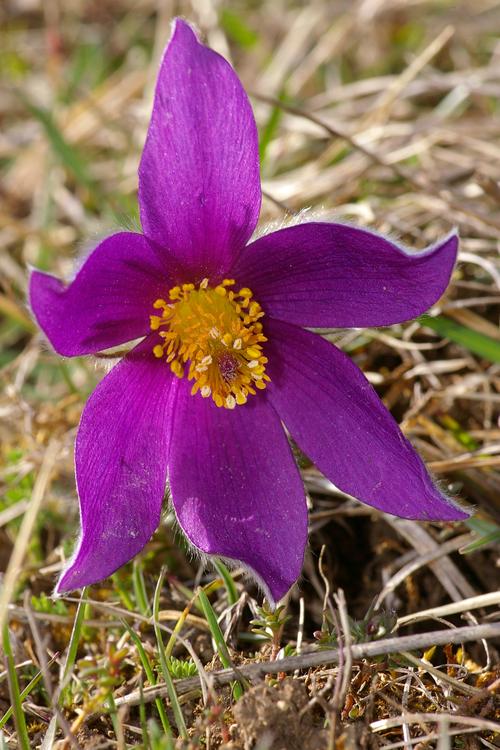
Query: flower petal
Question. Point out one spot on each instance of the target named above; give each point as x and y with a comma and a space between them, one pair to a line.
110, 300
121, 465
323, 275
199, 186
236, 489
339, 421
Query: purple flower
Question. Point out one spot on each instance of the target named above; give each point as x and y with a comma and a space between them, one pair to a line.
225, 358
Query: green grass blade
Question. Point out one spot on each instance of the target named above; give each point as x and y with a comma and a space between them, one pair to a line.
488, 532
68, 155
63, 367
113, 714
144, 724
218, 637
237, 29
148, 669
475, 342
24, 694
15, 696
214, 626
157, 740
232, 592
174, 700
76, 634
139, 585
270, 128
492, 538
125, 597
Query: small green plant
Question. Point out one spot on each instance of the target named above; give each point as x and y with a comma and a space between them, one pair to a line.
270, 625
96, 680
48, 606
182, 668
17, 487
373, 626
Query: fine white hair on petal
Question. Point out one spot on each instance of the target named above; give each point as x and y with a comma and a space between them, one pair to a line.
104, 364
452, 500
82, 251
333, 216
86, 247
78, 537
303, 216
206, 560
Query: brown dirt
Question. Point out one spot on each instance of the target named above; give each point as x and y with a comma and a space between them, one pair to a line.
270, 717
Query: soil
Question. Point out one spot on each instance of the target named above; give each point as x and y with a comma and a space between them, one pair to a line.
270, 717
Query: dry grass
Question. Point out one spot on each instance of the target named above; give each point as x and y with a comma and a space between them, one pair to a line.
382, 112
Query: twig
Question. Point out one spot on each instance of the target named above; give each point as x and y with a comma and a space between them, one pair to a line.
330, 656
395, 721
444, 549
474, 602
462, 687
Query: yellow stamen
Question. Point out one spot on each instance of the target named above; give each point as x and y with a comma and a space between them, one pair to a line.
213, 336
253, 353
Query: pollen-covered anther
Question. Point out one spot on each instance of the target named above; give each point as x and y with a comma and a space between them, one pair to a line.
213, 336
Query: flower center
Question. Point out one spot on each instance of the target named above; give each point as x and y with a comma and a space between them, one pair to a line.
216, 333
